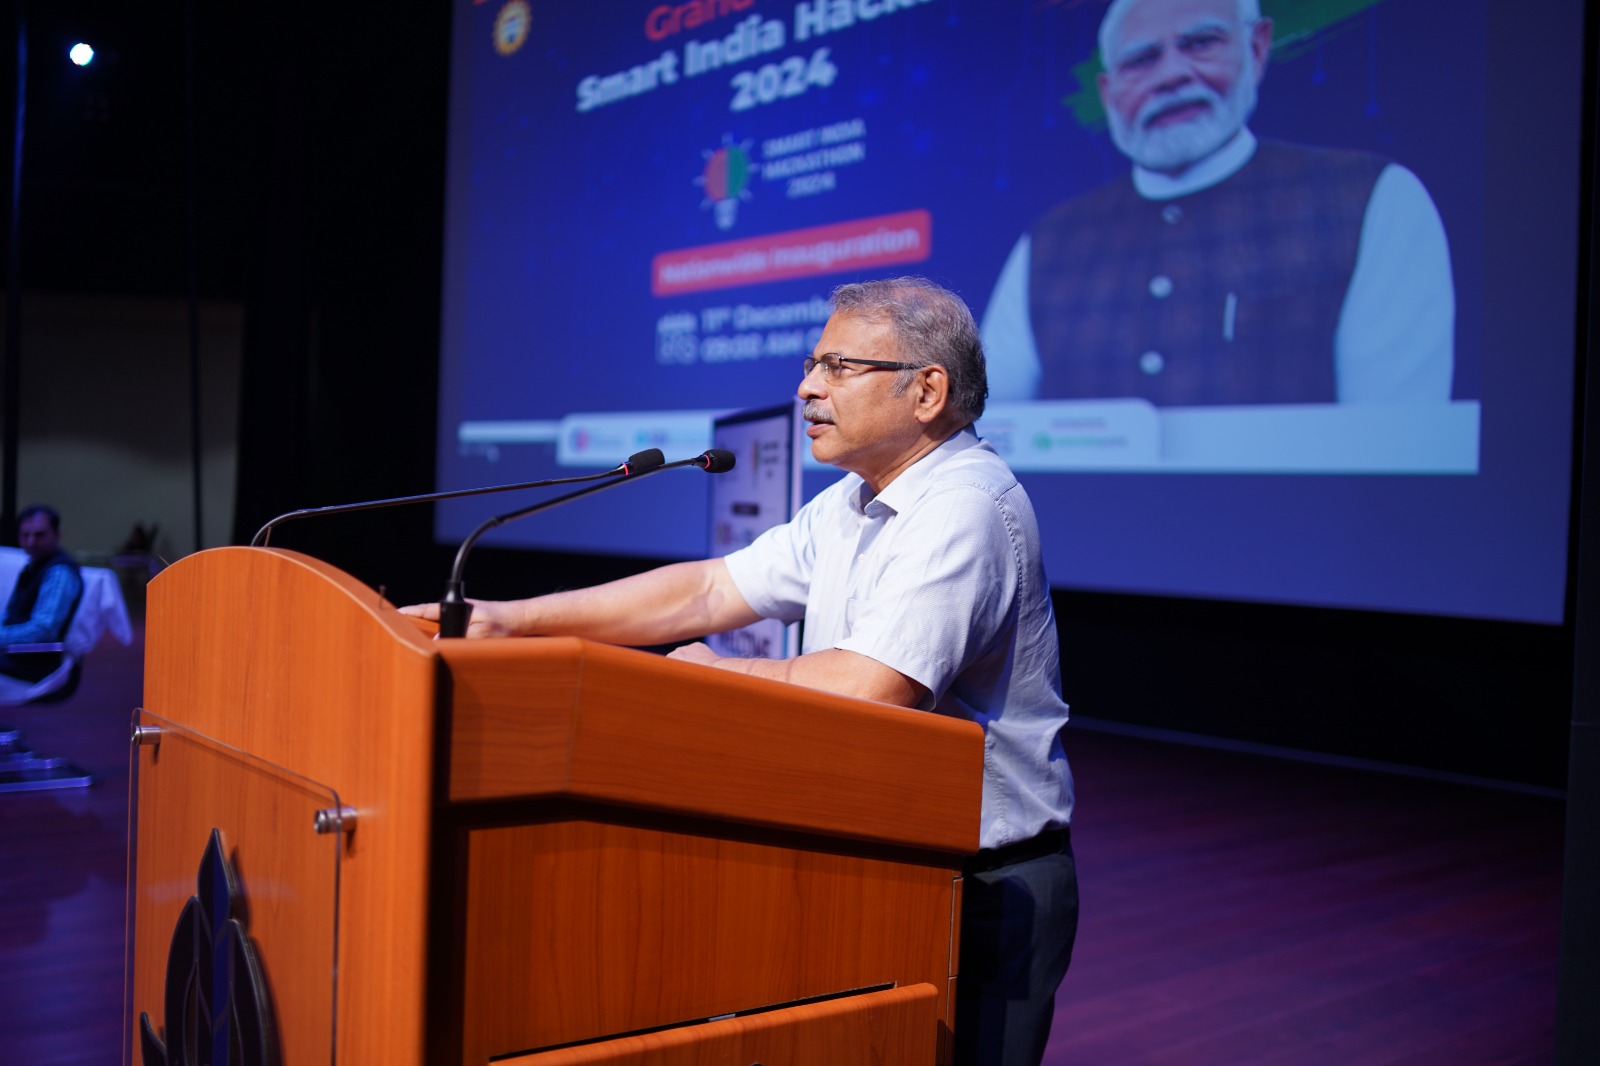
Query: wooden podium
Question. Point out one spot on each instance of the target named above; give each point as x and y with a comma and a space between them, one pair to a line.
543, 851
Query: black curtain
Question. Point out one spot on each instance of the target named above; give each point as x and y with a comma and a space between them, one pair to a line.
342, 132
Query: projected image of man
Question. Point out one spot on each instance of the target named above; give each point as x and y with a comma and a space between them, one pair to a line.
1227, 269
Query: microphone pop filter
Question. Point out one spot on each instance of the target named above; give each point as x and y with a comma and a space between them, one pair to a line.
718, 461
643, 462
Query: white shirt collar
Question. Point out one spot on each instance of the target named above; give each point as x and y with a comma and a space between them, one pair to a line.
900, 492
1225, 162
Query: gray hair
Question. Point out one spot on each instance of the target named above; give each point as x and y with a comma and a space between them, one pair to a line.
932, 326
1249, 11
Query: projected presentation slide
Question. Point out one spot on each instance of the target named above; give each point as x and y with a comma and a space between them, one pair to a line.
1258, 320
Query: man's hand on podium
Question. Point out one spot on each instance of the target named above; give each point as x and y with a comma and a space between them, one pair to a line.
695, 653
490, 618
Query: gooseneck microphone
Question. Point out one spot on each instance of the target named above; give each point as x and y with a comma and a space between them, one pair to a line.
454, 610
712, 461
650, 458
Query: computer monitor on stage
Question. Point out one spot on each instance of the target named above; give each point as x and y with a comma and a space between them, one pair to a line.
761, 491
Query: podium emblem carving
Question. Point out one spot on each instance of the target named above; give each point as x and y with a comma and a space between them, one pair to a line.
217, 1010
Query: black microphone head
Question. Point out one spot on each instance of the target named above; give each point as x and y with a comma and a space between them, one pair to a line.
644, 462
718, 460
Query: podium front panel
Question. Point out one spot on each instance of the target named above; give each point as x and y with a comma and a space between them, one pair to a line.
579, 929
227, 869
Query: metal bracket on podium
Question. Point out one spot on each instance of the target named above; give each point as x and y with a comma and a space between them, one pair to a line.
335, 820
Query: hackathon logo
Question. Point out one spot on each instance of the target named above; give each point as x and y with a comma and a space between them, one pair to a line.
726, 180
511, 27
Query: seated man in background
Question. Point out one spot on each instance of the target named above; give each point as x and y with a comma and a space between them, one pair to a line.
45, 596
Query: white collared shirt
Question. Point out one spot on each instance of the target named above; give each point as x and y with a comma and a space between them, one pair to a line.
939, 577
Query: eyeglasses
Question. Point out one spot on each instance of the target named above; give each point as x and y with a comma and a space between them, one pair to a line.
833, 365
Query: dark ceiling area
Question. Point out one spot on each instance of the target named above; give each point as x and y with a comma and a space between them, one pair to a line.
243, 128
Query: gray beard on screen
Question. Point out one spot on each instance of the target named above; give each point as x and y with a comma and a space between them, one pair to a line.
1185, 144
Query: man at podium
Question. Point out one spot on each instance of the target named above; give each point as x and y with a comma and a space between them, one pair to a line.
920, 580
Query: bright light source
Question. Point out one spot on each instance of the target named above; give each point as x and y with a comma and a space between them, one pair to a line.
81, 54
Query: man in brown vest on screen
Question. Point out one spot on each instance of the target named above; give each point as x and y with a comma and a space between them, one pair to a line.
1228, 270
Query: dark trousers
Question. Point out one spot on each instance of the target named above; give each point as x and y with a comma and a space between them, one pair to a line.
1018, 924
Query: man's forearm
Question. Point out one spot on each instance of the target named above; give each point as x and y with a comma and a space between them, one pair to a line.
52, 611
668, 604
845, 673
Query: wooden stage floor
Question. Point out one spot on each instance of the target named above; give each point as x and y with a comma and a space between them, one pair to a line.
1236, 910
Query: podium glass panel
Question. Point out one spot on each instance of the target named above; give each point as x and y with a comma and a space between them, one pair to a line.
233, 902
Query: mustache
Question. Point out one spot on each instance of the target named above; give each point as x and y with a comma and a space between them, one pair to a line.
1192, 94
814, 412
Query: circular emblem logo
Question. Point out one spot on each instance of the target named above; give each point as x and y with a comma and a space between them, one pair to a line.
511, 27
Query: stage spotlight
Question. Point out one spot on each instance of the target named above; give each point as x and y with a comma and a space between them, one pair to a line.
81, 54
